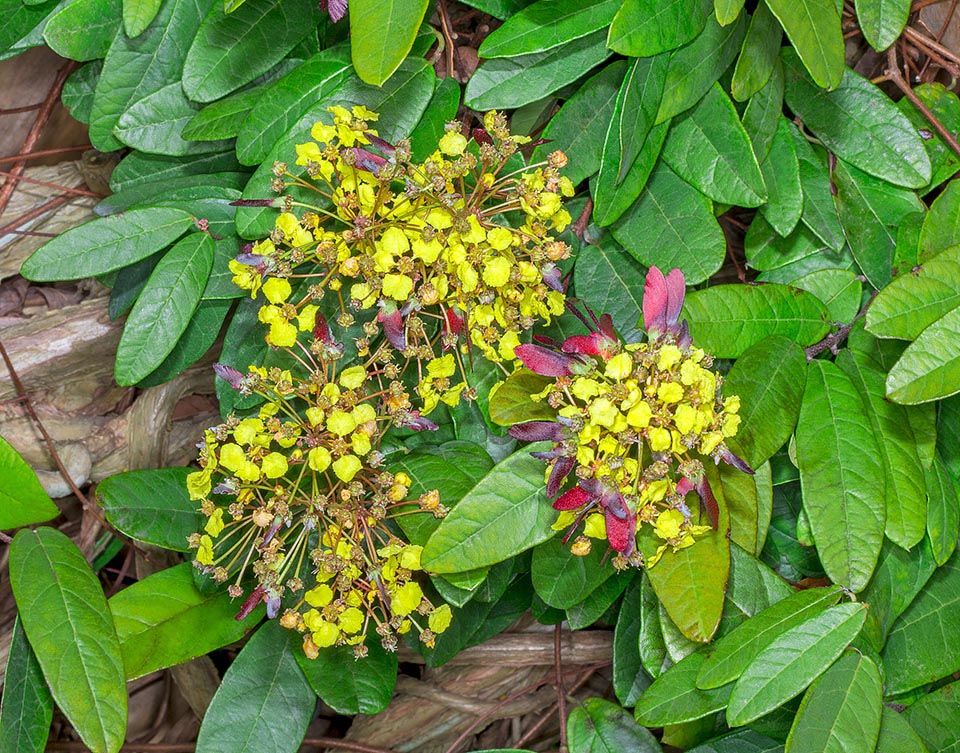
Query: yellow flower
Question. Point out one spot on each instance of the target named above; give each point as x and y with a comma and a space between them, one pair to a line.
440, 618
350, 620
353, 377
277, 290
282, 334
406, 599
660, 439
347, 467
445, 366
198, 484
274, 465
319, 596
307, 318
496, 273
668, 524
397, 286
319, 459
670, 392
205, 552
215, 524
619, 367
341, 423
326, 634
453, 143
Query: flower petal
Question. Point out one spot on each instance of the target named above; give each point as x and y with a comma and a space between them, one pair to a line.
545, 362
571, 500
621, 532
393, 327
558, 474
537, 431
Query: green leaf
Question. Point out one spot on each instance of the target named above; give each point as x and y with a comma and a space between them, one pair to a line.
230, 50
264, 703
726, 320
547, 24
943, 511
154, 615
23, 501
941, 226
750, 501
77, 94
599, 726
672, 225
767, 250
562, 578
629, 678
151, 506
930, 366
860, 124
26, 709
819, 210
163, 310
753, 587
642, 28
138, 169
918, 298
511, 403
382, 34
690, 583
612, 201
674, 697
781, 175
882, 21
896, 734
906, 507
106, 244
727, 10
792, 661
349, 685
197, 339
137, 15
23, 25
897, 579
83, 30
695, 67
840, 712
441, 109
840, 290
936, 719
945, 106
813, 27
651, 643
608, 279
135, 68
758, 56
920, 647
504, 514
222, 119
764, 111
842, 476
506, 83
67, 621
709, 149
738, 649
741, 741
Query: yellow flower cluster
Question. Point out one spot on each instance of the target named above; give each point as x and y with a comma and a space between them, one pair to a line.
425, 244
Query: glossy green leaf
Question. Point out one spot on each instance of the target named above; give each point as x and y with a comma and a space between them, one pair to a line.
599, 726
929, 368
608, 279
135, 68
898, 578
753, 588
197, 339
840, 712
511, 403
612, 201
750, 501
945, 106
642, 28
727, 10
941, 226
819, 210
222, 119
151, 506
896, 734
690, 583
106, 244
21, 22
23, 501
596, 604
741, 741
264, 703
83, 30
441, 109
59, 596
758, 56
137, 15
738, 649
678, 646
26, 708
154, 615
842, 475
792, 661
936, 719
580, 126
920, 647
674, 697
709, 149
138, 169
840, 290
349, 685
381, 35
763, 112
943, 511
860, 124
882, 21
781, 175
672, 225
918, 298
546, 24
726, 320
906, 507
77, 94
504, 514
230, 50
562, 578
767, 250
505, 83
813, 27
163, 310
696, 66
653, 649
629, 678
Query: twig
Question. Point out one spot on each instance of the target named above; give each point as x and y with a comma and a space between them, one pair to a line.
34, 213
43, 115
46, 153
579, 227
894, 75
447, 36
64, 189
939, 36
934, 48
832, 341
18, 110
548, 714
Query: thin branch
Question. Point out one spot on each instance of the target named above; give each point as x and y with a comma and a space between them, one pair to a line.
932, 48
894, 75
34, 213
18, 110
45, 153
65, 189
